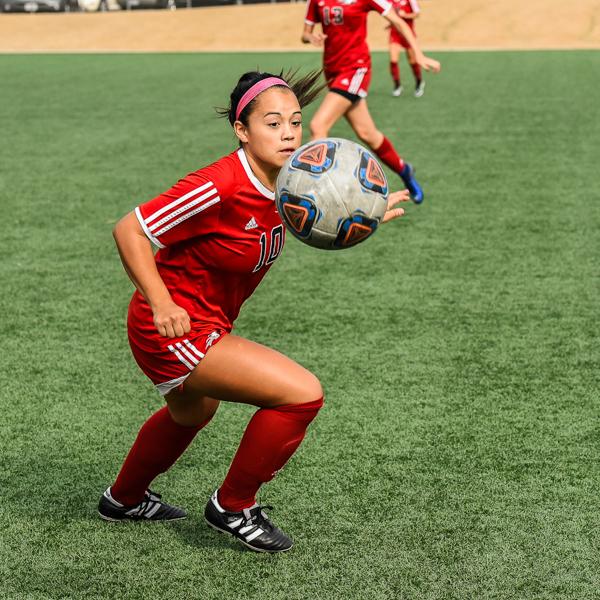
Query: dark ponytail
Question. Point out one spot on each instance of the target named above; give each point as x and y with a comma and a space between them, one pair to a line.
306, 88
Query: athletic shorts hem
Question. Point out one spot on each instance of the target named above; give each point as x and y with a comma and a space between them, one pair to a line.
351, 83
164, 388
169, 362
354, 98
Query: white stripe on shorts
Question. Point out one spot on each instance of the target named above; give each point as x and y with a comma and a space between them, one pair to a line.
193, 348
180, 357
187, 353
357, 80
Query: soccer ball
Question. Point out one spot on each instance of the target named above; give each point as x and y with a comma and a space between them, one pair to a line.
331, 193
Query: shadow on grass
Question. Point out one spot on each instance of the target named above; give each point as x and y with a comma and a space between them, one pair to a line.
196, 533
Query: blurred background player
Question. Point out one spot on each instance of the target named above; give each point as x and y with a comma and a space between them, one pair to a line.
347, 67
218, 233
408, 11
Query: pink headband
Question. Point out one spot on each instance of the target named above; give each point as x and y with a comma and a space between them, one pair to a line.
255, 90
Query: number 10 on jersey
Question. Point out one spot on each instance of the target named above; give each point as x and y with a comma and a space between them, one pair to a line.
270, 250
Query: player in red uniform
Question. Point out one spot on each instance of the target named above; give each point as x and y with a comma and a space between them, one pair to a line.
347, 66
408, 11
218, 232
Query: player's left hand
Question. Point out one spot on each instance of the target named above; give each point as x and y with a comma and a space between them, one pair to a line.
393, 199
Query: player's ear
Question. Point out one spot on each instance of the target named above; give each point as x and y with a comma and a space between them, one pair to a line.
241, 131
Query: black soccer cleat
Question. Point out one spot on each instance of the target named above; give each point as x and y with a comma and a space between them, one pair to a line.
151, 508
251, 526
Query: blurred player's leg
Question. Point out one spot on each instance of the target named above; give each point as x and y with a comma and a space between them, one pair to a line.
416, 69
333, 108
361, 121
395, 68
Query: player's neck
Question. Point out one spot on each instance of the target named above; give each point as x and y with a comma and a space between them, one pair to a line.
265, 173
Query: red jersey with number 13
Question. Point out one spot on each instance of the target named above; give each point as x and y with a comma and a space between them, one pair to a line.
344, 22
218, 232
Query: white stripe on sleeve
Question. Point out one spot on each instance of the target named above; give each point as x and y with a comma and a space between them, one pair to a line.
187, 216
306, 19
148, 233
181, 209
175, 203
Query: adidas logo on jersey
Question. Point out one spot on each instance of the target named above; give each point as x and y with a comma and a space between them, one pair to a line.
251, 224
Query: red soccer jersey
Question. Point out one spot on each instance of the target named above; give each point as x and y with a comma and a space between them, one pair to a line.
218, 233
407, 6
344, 23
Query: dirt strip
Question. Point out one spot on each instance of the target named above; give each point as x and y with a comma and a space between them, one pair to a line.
444, 25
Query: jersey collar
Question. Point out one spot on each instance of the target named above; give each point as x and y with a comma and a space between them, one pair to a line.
252, 177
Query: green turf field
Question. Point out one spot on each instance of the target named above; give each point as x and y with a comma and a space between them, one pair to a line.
457, 455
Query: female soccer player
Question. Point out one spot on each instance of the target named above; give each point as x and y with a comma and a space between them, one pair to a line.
347, 66
408, 11
218, 233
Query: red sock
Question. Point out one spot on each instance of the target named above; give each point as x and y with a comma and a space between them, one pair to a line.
416, 69
389, 156
271, 437
159, 443
395, 71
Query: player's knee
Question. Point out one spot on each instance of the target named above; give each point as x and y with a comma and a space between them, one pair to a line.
311, 390
305, 390
367, 135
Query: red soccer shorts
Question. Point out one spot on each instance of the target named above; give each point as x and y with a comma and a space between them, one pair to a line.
167, 362
353, 81
397, 38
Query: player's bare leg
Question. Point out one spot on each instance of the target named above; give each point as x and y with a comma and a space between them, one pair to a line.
288, 397
361, 121
239, 370
331, 110
190, 409
395, 50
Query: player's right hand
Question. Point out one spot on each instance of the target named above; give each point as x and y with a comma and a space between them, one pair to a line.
316, 39
171, 320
